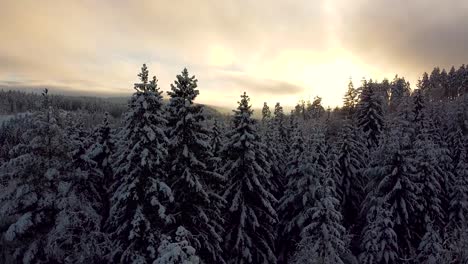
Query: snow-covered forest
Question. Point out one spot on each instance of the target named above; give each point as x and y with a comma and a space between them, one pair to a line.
381, 180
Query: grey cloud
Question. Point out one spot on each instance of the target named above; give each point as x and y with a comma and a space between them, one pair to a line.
262, 86
409, 36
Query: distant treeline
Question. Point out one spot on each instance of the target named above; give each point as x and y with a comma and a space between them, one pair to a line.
12, 102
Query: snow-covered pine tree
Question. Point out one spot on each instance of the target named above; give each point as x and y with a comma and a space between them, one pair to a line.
351, 159
431, 249
370, 116
196, 206
399, 89
77, 236
280, 135
290, 203
323, 239
216, 141
429, 177
139, 194
101, 153
350, 100
274, 158
394, 183
307, 166
317, 146
266, 113
379, 240
28, 201
419, 105
177, 252
334, 171
458, 206
433, 167
102, 150
250, 234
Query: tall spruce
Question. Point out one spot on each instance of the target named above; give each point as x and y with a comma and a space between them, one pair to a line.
139, 195
350, 100
250, 234
351, 164
379, 241
394, 183
323, 239
196, 205
369, 115
290, 204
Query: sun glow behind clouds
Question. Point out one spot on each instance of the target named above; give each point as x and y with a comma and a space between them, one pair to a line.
325, 74
287, 52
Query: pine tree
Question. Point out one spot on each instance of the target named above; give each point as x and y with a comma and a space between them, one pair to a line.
394, 183
290, 203
216, 142
277, 177
252, 217
424, 83
323, 239
280, 133
351, 163
196, 206
419, 105
307, 165
139, 194
430, 250
370, 116
266, 113
77, 236
458, 206
350, 100
102, 150
178, 251
399, 89
27, 202
379, 242
429, 177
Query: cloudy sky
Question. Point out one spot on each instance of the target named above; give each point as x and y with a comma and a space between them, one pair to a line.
275, 50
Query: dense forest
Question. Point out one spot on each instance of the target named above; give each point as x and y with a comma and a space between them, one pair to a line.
381, 180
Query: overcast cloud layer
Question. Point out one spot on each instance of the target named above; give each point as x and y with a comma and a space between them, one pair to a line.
276, 51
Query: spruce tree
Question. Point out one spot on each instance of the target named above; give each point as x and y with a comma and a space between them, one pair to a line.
274, 157
429, 177
323, 240
290, 203
280, 134
458, 206
266, 113
250, 235
196, 205
350, 100
379, 242
431, 250
139, 194
370, 115
177, 251
394, 183
102, 150
351, 163
307, 165
28, 200
216, 142
77, 236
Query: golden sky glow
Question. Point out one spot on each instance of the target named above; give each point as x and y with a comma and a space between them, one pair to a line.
276, 51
